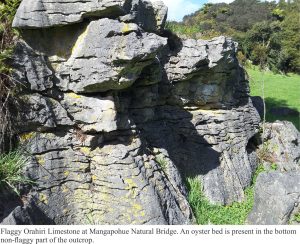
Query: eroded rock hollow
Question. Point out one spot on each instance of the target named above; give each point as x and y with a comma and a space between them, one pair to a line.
117, 112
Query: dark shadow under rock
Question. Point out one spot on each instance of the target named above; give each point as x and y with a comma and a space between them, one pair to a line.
258, 103
283, 111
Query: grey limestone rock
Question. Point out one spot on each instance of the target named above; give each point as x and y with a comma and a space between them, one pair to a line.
80, 184
151, 16
26, 215
103, 55
206, 72
117, 114
196, 55
282, 145
109, 56
277, 194
38, 111
17, 216
277, 198
34, 14
91, 114
208, 145
31, 68
46, 13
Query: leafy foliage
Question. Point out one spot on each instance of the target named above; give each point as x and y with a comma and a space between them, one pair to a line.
266, 31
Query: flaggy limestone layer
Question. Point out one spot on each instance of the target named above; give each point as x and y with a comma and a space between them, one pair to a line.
115, 113
48, 13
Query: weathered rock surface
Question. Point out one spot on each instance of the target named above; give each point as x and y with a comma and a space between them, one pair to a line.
47, 13
277, 194
277, 198
116, 115
107, 55
281, 145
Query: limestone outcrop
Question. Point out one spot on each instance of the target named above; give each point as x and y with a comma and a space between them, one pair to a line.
116, 111
277, 194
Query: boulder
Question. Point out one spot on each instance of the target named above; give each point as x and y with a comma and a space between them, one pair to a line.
277, 198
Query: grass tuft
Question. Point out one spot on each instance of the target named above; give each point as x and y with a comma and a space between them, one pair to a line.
208, 213
11, 171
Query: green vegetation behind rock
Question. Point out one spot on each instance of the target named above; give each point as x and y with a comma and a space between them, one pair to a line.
260, 28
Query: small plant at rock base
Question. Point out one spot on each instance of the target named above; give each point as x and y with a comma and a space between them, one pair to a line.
11, 170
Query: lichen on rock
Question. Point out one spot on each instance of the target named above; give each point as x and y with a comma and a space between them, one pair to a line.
106, 90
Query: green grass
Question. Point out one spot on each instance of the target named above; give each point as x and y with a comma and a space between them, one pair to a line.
280, 91
11, 170
207, 213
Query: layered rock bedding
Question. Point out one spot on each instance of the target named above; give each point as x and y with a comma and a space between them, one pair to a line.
116, 112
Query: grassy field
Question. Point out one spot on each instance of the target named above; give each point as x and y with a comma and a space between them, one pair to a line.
280, 91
